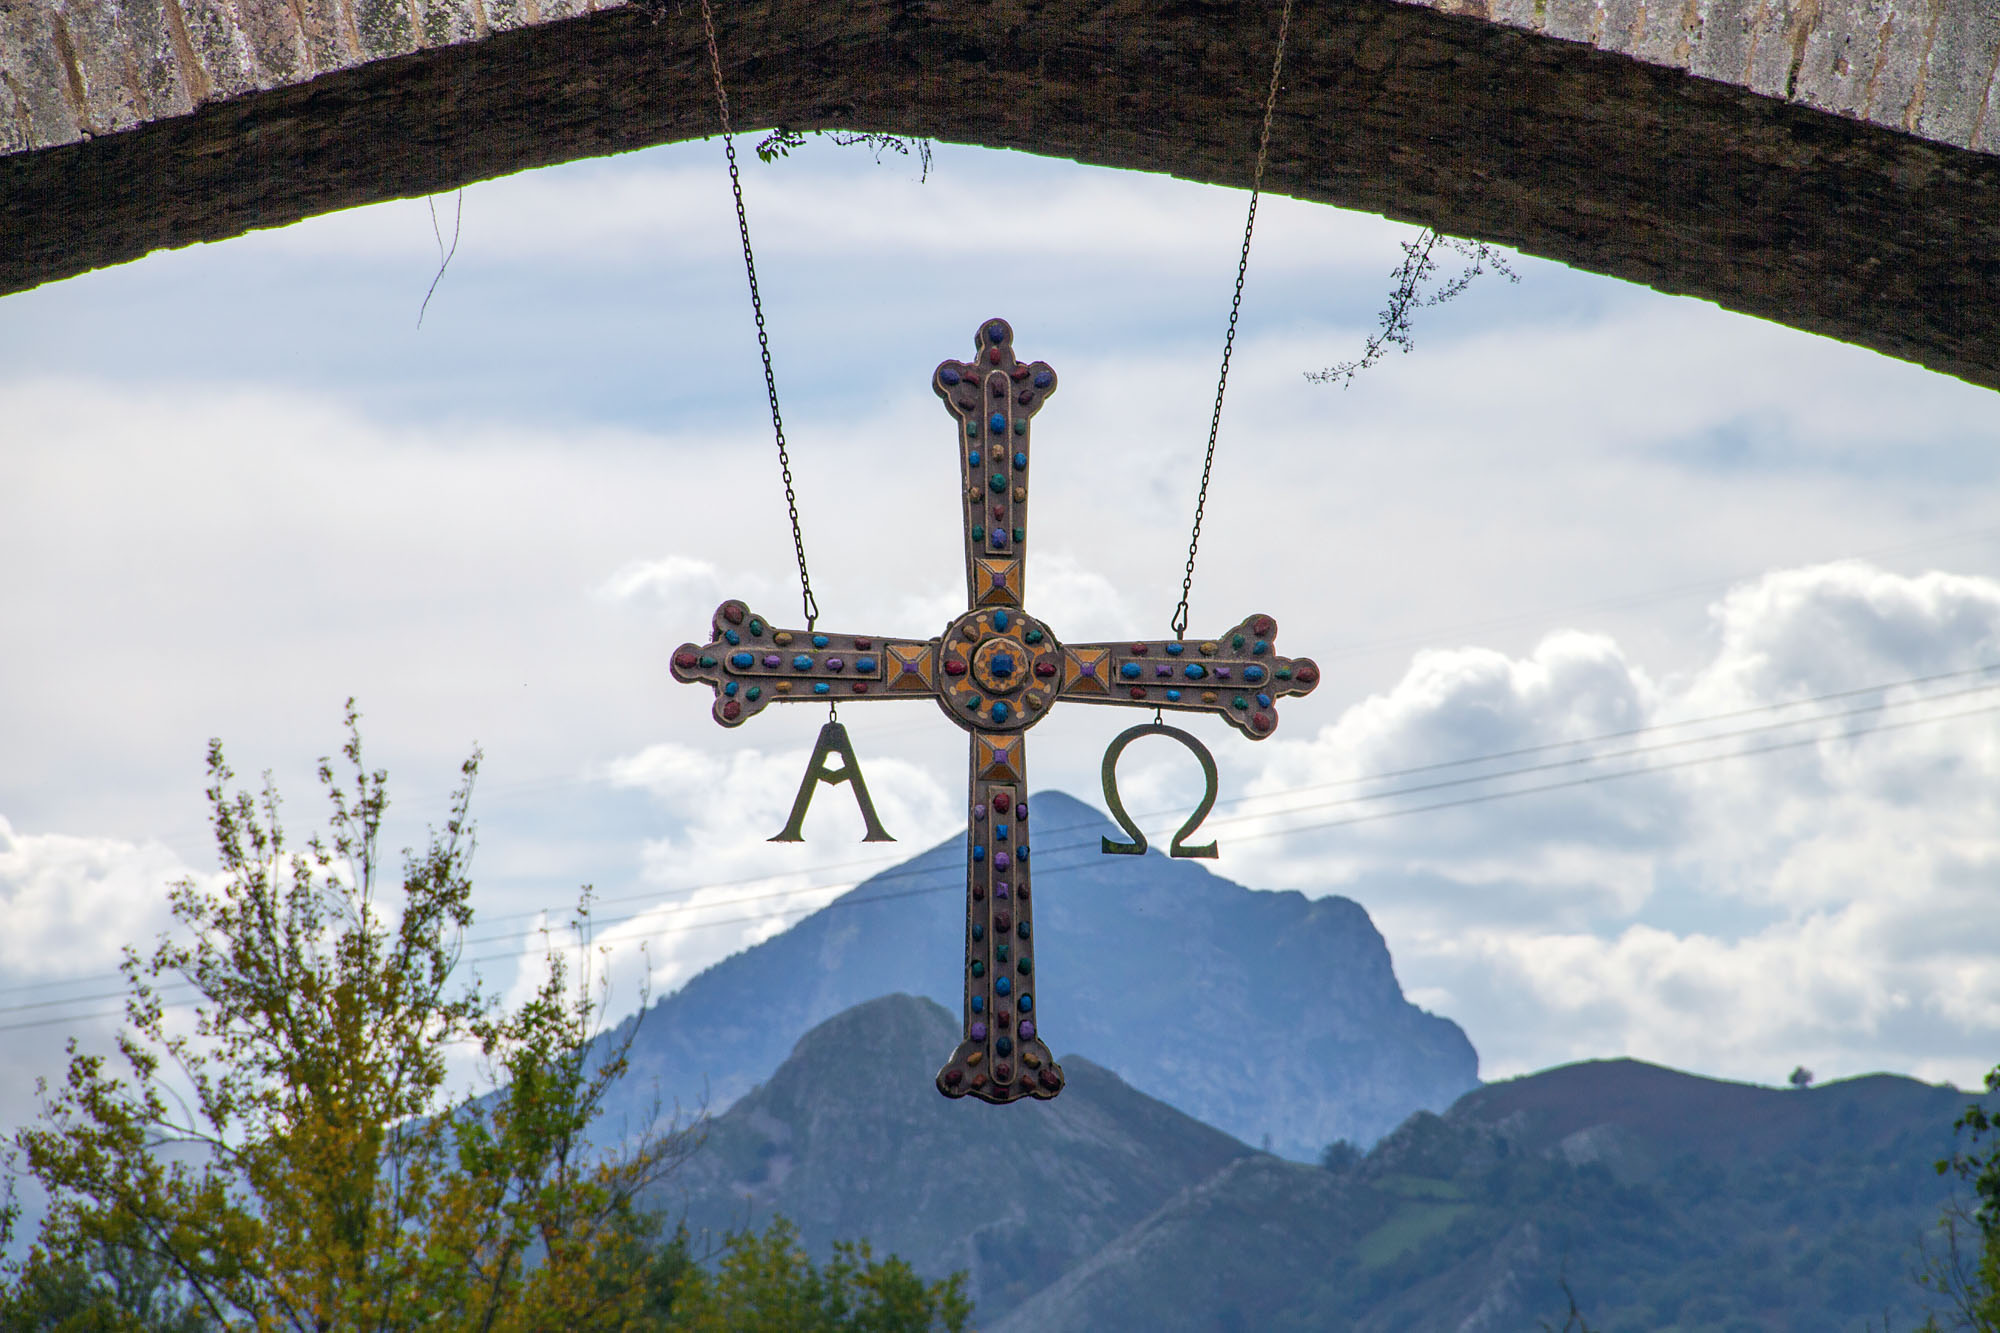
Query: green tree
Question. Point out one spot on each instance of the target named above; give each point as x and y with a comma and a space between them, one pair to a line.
767, 1283
1965, 1270
323, 1175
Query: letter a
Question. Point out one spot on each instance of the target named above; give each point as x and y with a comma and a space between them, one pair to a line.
832, 741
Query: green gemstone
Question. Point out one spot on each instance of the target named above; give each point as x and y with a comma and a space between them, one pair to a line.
756, 627
1239, 702
978, 968
1236, 641
997, 482
1021, 426
1025, 966
756, 693
978, 532
1284, 673
707, 661
1020, 534
1033, 636
1000, 953
972, 428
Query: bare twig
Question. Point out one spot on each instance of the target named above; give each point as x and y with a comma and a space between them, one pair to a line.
444, 255
1409, 295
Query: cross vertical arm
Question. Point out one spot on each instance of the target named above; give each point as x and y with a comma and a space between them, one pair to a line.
994, 396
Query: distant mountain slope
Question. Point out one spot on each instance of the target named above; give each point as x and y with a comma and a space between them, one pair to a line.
1264, 1014
1672, 1204
849, 1138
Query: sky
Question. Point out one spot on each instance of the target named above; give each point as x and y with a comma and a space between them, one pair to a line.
1660, 713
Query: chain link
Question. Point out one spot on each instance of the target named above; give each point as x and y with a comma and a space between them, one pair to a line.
757, 309
1180, 620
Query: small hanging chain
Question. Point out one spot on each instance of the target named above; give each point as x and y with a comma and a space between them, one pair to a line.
1180, 620
757, 308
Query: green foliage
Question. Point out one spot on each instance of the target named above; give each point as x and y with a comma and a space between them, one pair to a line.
1964, 1267
781, 141
1340, 1157
322, 1176
766, 1283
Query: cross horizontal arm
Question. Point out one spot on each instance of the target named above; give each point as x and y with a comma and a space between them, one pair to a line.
750, 663
1238, 675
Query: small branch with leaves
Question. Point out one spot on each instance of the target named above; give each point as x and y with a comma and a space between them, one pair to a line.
1415, 290
781, 141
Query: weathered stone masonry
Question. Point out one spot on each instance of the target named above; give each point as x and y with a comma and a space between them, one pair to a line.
1830, 164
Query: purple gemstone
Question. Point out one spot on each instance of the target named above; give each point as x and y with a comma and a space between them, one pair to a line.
834, 664
1027, 1029
999, 580
1089, 668
1163, 670
1222, 673
773, 660
999, 860
979, 1032
979, 811
999, 888
1021, 810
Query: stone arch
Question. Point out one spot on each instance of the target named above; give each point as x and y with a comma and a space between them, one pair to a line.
1833, 165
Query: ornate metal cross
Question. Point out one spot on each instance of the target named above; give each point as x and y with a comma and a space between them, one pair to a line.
996, 671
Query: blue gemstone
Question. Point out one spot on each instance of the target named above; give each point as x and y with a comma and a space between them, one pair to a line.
996, 423
1027, 1003
821, 687
1022, 930
1173, 696
978, 853
803, 662
864, 664
1263, 701
1000, 620
996, 333
730, 688
1000, 832
1194, 671
978, 931
1043, 379
741, 660
1001, 665
1000, 710
1020, 461
972, 457
1022, 852
979, 1003
1176, 649
1005, 1045
819, 641
1259, 648
999, 539
947, 376
1253, 673
1130, 671
1002, 986
732, 636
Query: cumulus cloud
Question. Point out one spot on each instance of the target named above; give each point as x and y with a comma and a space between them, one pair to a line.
1830, 898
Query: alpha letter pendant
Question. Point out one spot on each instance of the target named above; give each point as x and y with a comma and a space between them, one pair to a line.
832, 741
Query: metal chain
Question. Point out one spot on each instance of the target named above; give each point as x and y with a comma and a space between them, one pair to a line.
1180, 620
757, 308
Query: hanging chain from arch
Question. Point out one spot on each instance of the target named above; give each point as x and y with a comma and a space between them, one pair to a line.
757, 309
1180, 620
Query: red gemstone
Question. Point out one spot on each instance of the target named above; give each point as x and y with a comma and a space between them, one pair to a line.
1047, 1078
1019, 372
1138, 691
954, 1077
954, 668
1005, 1018
685, 661
1001, 801
1021, 891
979, 1080
978, 892
1003, 1073
1264, 627
1045, 668
733, 612
1307, 673
999, 511
864, 644
732, 710
860, 687
1260, 722
993, 355
1003, 921
1140, 649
